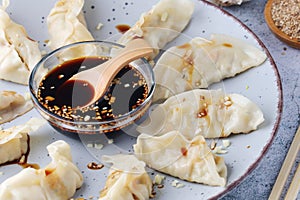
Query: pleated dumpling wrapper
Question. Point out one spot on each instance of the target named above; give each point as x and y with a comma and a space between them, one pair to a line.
201, 62
210, 113
19, 53
14, 140
127, 179
66, 24
228, 2
58, 180
13, 105
190, 160
163, 23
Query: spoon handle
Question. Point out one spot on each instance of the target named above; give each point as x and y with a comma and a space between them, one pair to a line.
135, 49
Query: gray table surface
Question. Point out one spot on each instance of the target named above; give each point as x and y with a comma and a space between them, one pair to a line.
259, 183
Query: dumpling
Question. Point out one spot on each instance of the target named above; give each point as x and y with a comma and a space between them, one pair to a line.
188, 160
209, 113
14, 141
200, 62
161, 24
13, 105
19, 53
67, 19
228, 2
127, 179
58, 180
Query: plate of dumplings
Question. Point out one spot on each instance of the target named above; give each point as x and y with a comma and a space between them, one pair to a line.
215, 111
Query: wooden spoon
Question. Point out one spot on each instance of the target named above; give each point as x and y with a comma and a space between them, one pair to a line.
277, 32
100, 77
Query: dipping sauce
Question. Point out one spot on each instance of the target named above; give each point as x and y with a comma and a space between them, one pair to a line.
123, 28
127, 91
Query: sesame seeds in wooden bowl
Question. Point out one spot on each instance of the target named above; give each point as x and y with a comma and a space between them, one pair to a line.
283, 19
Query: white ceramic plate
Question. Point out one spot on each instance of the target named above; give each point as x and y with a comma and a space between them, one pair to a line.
260, 84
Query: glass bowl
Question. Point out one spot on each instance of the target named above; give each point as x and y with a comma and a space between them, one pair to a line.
88, 49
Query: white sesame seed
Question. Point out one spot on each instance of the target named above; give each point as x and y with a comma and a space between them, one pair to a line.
174, 183
179, 185
87, 118
226, 98
98, 146
110, 141
158, 179
23, 159
99, 26
226, 143
90, 145
61, 76
219, 150
227, 103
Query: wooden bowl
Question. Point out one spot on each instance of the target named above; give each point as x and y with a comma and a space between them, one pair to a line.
277, 32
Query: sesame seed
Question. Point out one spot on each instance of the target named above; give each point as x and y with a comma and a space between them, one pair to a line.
87, 118
227, 103
110, 141
90, 145
49, 98
61, 76
226, 98
99, 26
22, 160
98, 146
286, 16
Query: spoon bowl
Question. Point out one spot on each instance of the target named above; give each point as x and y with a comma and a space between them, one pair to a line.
100, 77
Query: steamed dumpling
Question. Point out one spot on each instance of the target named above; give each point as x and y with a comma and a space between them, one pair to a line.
127, 179
191, 160
19, 53
14, 140
209, 113
161, 24
66, 25
228, 2
13, 105
200, 62
58, 180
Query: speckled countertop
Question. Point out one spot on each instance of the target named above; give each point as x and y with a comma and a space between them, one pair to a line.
259, 183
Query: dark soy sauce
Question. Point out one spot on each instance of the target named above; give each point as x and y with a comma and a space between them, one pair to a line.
127, 91
122, 28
